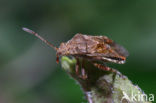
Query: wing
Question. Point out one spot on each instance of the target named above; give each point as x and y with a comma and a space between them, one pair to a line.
108, 50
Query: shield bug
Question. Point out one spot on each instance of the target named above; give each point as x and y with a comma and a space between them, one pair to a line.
93, 48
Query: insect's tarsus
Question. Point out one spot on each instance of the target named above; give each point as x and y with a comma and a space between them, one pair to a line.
41, 38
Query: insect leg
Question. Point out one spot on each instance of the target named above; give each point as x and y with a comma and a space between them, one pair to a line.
77, 66
83, 71
103, 67
57, 59
83, 74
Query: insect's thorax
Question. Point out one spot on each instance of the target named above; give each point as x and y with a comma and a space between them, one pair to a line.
81, 44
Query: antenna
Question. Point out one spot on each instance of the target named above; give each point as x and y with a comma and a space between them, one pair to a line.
38, 36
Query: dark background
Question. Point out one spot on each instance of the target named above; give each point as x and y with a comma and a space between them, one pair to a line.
28, 71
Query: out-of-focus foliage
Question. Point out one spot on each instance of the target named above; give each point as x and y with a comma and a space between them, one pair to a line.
28, 71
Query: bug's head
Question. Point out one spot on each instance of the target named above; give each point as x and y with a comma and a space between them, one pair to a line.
62, 50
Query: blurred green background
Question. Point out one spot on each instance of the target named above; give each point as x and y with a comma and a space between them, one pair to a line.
28, 71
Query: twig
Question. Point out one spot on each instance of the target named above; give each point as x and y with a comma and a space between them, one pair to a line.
103, 87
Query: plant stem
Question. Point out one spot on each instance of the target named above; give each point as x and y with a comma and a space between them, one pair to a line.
101, 86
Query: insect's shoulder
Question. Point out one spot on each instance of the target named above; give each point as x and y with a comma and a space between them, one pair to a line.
78, 38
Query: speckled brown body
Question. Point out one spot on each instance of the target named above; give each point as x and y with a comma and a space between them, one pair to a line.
93, 47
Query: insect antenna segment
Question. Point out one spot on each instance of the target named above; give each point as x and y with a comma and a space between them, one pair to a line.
38, 36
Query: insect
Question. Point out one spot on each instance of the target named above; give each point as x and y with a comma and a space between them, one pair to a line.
92, 48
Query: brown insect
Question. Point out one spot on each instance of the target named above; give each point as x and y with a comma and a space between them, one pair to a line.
92, 48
